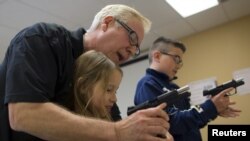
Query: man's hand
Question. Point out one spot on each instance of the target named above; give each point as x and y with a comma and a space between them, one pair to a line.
144, 125
169, 137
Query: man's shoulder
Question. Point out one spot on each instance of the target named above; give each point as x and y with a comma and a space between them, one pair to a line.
43, 28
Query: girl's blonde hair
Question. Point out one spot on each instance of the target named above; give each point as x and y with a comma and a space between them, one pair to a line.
90, 68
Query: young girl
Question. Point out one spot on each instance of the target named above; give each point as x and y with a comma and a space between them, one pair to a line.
96, 80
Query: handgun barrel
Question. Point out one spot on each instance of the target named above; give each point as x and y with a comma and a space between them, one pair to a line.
183, 89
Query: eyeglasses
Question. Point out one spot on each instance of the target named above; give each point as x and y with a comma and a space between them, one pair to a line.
176, 58
133, 38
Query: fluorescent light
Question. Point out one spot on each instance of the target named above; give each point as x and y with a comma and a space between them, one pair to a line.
189, 7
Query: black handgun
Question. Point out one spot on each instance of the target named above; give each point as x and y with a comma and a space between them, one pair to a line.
168, 97
233, 83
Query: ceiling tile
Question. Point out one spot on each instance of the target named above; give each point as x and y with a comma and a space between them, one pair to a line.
158, 11
236, 8
207, 19
175, 30
78, 12
126, 2
18, 16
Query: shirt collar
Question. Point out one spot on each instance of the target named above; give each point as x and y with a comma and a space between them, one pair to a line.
158, 74
77, 42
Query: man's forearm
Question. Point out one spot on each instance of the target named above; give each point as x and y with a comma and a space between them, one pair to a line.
51, 122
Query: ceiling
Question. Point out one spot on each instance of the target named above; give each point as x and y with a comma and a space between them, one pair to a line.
17, 14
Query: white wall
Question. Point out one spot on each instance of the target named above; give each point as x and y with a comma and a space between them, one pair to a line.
131, 75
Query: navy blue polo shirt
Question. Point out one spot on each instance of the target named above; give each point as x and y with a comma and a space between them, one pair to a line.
38, 67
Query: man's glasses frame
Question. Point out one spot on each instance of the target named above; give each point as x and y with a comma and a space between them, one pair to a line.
176, 58
133, 37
